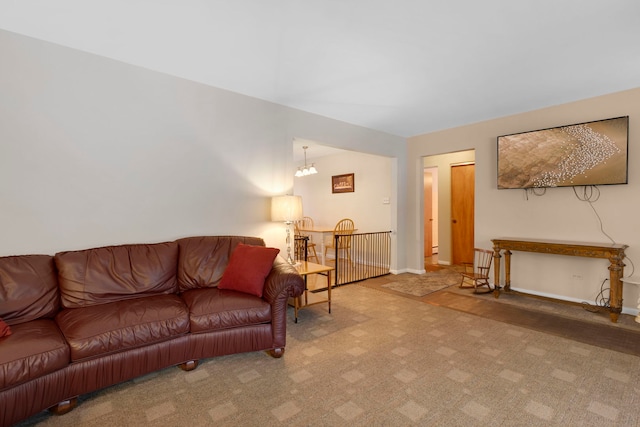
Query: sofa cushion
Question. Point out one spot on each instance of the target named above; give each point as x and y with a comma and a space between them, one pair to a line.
114, 273
28, 288
203, 259
214, 308
122, 325
248, 268
34, 349
5, 330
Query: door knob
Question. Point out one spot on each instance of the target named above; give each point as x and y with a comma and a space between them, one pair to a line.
455, 221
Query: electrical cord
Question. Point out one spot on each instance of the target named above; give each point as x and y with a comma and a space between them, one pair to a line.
600, 222
633, 266
536, 191
591, 194
601, 301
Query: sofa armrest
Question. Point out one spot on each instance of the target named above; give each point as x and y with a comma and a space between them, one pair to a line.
283, 282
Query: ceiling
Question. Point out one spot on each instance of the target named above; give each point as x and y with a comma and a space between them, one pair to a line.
406, 67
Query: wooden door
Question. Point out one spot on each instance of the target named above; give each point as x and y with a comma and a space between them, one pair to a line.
462, 212
428, 214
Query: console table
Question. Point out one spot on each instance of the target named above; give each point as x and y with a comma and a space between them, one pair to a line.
613, 252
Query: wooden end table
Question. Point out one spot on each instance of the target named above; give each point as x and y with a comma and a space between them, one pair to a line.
306, 268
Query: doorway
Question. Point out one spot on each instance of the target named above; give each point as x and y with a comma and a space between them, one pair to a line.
430, 216
446, 165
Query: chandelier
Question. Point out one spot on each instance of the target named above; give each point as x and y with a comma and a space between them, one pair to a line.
306, 169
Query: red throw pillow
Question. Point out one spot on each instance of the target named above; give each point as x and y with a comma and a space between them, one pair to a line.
248, 267
5, 330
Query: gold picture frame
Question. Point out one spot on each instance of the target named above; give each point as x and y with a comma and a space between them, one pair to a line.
343, 183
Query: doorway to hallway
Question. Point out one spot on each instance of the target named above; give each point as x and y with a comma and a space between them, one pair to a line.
430, 213
447, 187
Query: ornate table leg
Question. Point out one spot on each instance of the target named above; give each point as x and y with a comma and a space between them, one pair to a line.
507, 270
616, 268
496, 272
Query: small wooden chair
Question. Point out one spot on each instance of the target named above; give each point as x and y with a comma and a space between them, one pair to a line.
477, 274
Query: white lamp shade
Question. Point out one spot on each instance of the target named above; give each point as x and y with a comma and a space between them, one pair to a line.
286, 208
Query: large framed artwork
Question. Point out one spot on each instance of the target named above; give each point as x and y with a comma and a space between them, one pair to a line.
583, 154
343, 183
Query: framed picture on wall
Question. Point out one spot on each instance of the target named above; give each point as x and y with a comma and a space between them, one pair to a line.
343, 183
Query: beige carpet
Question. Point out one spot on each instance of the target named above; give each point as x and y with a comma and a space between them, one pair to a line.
421, 285
384, 360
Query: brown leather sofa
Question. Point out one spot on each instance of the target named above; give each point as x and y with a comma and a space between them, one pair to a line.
88, 319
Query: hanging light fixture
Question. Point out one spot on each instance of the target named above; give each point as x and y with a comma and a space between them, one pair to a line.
306, 169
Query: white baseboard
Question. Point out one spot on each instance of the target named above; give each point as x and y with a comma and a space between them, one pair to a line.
407, 270
625, 310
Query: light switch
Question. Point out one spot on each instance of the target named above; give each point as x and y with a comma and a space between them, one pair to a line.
385, 201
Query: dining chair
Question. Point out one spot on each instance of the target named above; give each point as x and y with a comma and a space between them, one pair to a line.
344, 228
307, 223
476, 274
311, 247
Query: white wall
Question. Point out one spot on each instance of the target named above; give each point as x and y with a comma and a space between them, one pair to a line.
556, 215
364, 206
97, 152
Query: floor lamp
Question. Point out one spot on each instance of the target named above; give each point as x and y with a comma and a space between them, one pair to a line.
287, 209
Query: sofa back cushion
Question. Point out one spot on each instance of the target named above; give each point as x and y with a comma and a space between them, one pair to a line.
28, 288
102, 275
202, 260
